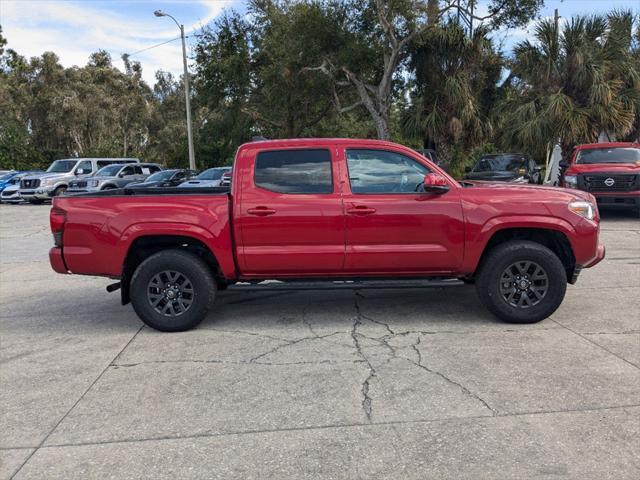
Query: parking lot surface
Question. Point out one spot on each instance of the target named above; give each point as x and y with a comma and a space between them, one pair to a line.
316, 383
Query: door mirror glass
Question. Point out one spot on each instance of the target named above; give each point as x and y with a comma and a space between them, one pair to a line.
435, 183
467, 169
564, 164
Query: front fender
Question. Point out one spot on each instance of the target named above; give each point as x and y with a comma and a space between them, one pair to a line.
478, 236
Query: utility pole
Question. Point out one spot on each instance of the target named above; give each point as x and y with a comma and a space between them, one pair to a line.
187, 96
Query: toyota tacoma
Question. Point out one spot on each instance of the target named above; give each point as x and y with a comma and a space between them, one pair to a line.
328, 209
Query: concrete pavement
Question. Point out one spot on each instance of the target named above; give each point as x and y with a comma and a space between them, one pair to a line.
331, 383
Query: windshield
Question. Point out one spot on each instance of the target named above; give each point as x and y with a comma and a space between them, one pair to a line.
7, 176
609, 155
212, 174
62, 166
500, 163
159, 176
108, 171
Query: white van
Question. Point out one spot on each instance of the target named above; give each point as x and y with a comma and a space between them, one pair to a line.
55, 181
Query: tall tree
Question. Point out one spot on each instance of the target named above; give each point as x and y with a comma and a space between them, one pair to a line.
455, 83
387, 28
574, 83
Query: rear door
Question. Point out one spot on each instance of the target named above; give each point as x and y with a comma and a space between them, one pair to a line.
392, 228
290, 219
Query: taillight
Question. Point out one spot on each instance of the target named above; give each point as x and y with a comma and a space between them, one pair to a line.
57, 217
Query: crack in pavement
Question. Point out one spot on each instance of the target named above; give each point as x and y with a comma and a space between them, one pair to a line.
232, 362
419, 364
289, 343
384, 340
366, 398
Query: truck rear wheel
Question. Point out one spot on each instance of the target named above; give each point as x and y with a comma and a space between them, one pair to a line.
172, 290
521, 282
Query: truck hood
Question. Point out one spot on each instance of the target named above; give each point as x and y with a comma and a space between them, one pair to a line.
200, 183
45, 176
575, 169
534, 191
497, 176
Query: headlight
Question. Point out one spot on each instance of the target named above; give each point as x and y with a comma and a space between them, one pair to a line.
93, 183
47, 182
583, 208
571, 181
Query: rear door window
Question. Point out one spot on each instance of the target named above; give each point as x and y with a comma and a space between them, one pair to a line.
294, 171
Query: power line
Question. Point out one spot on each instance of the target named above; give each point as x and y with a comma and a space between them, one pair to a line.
154, 46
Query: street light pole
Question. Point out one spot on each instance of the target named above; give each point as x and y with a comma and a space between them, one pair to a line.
187, 99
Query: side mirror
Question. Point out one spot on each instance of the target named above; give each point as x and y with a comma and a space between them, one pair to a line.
435, 183
467, 169
564, 164
121, 175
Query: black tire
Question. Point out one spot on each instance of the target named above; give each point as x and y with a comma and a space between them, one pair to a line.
36, 201
499, 294
149, 282
59, 191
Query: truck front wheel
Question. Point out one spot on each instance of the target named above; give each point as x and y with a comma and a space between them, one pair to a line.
521, 282
172, 290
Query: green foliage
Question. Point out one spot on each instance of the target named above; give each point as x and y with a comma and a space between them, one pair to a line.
399, 69
573, 83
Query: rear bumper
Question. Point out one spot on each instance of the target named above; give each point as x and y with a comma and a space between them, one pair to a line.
57, 261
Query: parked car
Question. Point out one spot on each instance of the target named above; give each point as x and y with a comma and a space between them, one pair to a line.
113, 176
55, 181
10, 187
225, 180
165, 178
209, 178
609, 171
7, 177
330, 209
505, 167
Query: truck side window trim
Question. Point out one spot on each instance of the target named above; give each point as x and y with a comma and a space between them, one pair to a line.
325, 187
410, 184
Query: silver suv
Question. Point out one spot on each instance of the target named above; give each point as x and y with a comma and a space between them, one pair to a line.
117, 175
55, 181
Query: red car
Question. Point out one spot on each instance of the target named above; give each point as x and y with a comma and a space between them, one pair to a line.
328, 209
609, 171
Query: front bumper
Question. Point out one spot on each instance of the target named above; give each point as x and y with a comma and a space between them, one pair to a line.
40, 193
618, 199
13, 197
600, 254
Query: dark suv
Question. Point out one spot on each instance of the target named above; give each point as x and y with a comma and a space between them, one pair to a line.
505, 167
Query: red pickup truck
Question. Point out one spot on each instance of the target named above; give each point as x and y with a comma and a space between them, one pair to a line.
328, 209
609, 171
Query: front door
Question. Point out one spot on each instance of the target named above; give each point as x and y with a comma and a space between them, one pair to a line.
391, 226
290, 220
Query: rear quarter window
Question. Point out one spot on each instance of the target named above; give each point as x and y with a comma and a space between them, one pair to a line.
294, 171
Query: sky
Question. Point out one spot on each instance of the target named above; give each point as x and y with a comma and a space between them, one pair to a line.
74, 29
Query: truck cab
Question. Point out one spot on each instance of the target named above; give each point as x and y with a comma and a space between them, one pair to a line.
609, 171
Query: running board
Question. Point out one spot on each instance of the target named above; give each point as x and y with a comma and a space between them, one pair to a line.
274, 285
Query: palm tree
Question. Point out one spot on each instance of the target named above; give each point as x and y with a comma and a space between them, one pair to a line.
455, 85
571, 85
